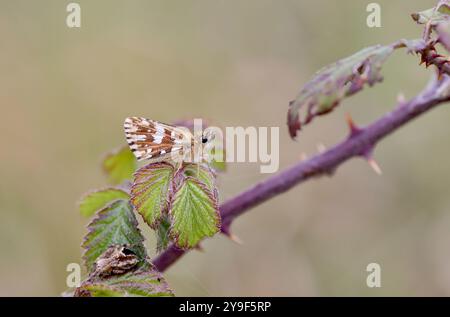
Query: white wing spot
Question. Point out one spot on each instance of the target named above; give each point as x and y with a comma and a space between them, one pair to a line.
158, 135
138, 154
140, 137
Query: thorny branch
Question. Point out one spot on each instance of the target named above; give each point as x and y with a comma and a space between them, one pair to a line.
360, 143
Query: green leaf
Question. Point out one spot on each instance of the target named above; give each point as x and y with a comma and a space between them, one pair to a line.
101, 290
162, 234
149, 193
201, 173
218, 165
194, 213
115, 224
144, 282
434, 16
216, 154
335, 82
147, 283
120, 165
95, 201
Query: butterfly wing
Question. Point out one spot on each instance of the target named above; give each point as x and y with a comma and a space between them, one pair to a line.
149, 139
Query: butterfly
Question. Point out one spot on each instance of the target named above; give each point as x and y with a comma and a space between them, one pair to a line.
156, 141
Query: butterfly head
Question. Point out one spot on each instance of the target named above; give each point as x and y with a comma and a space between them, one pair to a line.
207, 136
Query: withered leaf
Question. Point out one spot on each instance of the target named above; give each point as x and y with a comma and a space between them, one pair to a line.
334, 82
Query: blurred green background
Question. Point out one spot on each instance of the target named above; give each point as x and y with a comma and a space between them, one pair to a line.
64, 94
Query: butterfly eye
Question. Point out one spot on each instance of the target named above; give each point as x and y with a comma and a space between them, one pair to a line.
204, 140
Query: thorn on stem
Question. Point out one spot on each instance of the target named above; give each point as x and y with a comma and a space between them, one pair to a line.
423, 59
352, 126
321, 148
199, 247
235, 239
401, 98
374, 165
232, 237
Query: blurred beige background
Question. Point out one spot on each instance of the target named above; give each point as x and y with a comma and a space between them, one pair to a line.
65, 92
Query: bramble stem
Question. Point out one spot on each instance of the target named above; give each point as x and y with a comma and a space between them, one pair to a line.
356, 144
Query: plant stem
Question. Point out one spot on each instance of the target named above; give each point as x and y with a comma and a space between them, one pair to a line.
360, 142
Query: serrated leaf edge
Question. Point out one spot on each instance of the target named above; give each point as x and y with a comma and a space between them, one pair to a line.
156, 223
212, 194
100, 216
95, 191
